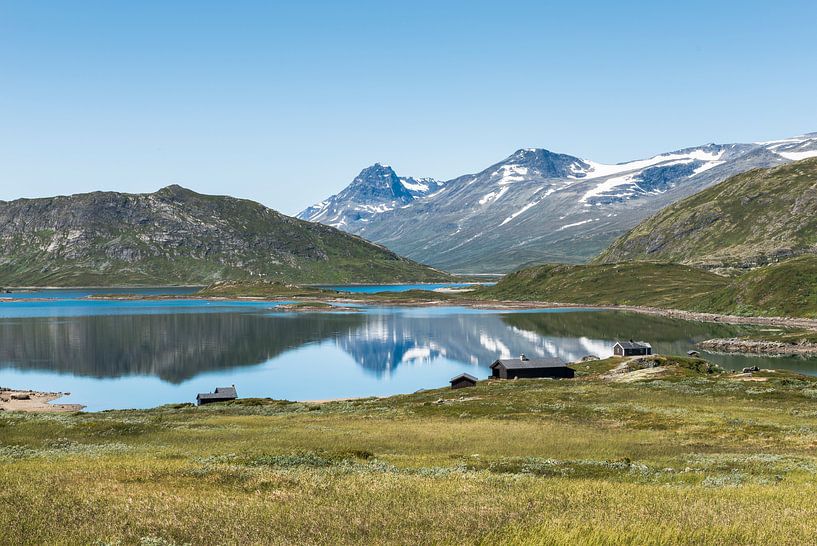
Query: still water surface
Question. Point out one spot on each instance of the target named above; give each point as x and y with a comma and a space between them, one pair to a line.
134, 354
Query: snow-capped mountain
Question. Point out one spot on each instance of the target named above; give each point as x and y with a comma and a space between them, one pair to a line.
536, 205
375, 190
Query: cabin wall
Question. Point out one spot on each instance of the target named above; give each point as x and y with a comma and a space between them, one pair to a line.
558, 373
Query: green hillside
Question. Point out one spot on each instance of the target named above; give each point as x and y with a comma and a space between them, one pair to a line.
785, 289
750, 219
660, 285
177, 236
788, 288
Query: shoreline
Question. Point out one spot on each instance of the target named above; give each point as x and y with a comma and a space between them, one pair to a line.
34, 401
499, 305
757, 347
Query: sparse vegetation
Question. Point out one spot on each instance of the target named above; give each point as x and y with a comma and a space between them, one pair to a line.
750, 219
687, 455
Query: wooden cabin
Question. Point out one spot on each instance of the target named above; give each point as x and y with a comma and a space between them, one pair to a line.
463, 380
221, 394
632, 348
524, 367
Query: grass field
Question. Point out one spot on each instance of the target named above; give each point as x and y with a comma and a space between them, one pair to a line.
641, 283
690, 455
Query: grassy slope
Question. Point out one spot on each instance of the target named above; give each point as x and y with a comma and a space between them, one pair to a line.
785, 289
660, 285
691, 457
788, 288
749, 218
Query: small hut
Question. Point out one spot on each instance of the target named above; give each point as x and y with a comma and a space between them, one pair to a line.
463, 380
221, 394
524, 367
632, 348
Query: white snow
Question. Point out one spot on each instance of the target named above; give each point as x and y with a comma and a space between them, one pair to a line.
526, 207
608, 185
383, 207
511, 173
801, 138
493, 196
517, 213
706, 167
797, 156
414, 187
577, 224
600, 170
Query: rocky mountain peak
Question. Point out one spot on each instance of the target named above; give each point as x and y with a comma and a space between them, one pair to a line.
379, 182
546, 163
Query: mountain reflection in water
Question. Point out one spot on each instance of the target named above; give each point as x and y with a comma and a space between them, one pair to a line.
178, 346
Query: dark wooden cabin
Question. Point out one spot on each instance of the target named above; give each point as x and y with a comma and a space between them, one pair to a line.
221, 394
463, 380
632, 348
524, 367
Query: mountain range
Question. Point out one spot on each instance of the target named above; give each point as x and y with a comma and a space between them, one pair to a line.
535, 206
177, 236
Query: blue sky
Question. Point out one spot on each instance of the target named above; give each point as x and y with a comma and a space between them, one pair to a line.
285, 103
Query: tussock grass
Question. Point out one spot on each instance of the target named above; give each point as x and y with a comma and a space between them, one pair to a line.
688, 456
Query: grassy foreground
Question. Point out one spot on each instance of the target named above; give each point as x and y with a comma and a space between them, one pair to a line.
687, 455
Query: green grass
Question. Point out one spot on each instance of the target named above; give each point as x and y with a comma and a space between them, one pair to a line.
788, 288
659, 285
689, 456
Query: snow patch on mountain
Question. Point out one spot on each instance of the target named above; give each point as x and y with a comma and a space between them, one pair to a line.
797, 156
511, 173
575, 224
601, 170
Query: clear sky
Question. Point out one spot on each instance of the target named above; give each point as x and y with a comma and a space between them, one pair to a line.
284, 103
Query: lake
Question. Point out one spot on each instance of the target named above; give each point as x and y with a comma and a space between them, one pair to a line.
135, 354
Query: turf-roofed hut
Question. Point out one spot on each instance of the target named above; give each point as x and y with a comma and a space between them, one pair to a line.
524, 367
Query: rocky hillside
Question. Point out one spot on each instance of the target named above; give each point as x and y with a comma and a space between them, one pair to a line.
535, 206
177, 236
753, 218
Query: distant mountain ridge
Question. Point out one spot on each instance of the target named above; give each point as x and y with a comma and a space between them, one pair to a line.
177, 236
536, 205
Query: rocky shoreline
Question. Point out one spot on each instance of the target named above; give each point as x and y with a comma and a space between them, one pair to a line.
748, 346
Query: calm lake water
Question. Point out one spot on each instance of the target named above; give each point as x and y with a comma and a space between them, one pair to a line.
135, 354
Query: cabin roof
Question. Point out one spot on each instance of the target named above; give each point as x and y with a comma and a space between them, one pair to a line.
221, 393
464, 376
518, 363
634, 344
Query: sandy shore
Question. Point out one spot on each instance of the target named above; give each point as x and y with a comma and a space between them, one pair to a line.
33, 401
